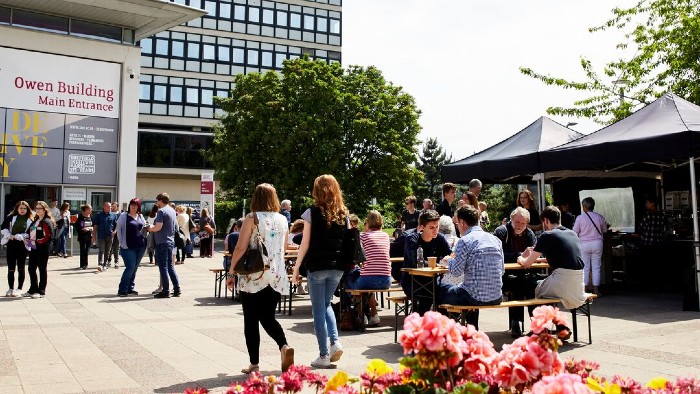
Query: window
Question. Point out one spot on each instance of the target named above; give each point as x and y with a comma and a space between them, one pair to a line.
4, 15
98, 30
159, 93
172, 150
210, 7
253, 57
295, 20
193, 95
161, 46
238, 55
267, 59
39, 21
178, 49
193, 50
321, 24
239, 12
207, 97
254, 14
281, 18
145, 92
616, 205
279, 58
209, 52
155, 150
268, 16
335, 26
176, 94
146, 46
308, 22
225, 11
224, 54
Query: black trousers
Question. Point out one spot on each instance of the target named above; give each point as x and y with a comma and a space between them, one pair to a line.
38, 258
84, 249
16, 256
259, 309
521, 286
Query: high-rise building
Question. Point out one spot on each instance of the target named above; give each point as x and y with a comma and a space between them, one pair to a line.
185, 67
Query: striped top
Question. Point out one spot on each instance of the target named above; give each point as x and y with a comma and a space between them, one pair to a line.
376, 246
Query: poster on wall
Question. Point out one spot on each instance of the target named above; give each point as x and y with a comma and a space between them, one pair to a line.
30, 165
206, 196
91, 133
52, 83
89, 167
33, 129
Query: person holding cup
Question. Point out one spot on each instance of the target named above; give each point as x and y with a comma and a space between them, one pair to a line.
375, 273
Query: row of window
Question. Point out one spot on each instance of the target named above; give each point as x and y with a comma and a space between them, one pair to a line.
160, 95
210, 54
59, 24
172, 150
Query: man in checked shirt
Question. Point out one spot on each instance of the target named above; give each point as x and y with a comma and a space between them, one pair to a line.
478, 259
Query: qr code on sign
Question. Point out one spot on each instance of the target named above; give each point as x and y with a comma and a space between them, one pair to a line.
81, 164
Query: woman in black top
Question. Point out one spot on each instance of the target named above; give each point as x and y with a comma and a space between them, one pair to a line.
40, 234
527, 201
84, 226
14, 229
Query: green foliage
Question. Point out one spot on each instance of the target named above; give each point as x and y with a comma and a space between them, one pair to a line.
665, 37
315, 119
224, 211
501, 201
430, 162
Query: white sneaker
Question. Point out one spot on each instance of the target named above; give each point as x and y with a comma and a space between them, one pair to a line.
17, 293
336, 351
374, 320
321, 362
37, 295
300, 290
9, 293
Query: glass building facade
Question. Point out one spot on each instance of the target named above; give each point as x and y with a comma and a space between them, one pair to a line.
184, 68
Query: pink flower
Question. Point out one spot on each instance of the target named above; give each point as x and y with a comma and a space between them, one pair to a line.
543, 316
196, 390
564, 383
344, 390
628, 385
290, 382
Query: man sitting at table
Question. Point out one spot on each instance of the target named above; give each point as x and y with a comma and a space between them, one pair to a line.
563, 251
516, 238
478, 259
433, 244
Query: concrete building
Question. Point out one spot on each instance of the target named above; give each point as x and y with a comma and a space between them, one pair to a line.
184, 68
69, 96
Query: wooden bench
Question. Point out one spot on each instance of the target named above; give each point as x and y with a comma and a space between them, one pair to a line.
364, 295
402, 304
461, 310
220, 275
285, 307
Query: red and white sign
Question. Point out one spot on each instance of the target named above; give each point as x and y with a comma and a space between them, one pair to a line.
206, 192
52, 83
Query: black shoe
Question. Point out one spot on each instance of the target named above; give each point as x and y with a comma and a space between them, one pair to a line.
162, 294
176, 293
133, 292
515, 330
122, 294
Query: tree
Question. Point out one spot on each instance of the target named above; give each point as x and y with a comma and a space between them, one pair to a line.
501, 201
316, 118
665, 35
430, 162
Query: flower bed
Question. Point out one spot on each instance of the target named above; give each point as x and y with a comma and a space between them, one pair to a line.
446, 357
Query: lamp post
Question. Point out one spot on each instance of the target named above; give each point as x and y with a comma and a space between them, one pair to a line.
622, 83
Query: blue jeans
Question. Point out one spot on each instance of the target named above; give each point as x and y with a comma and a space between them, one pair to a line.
131, 259
455, 295
62, 241
367, 282
322, 285
189, 249
164, 259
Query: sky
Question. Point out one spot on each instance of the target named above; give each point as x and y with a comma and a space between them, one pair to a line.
460, 60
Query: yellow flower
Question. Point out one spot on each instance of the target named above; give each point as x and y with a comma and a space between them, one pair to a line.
378, 367
607, 388
338, 380
657, 383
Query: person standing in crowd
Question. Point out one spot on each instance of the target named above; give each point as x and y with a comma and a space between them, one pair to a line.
164, 228
428, 238
189, 249
325, 224
427, 204
207, 229
449, 194
40, 235
475, 187
62, 228
484, 220
85, 231
590, 227
261, 292
14, 230
516, 238
105, 223
376, 271
567, 218
651, 234
132, 245
296, 229
183, 222
563, 250
409, 216
287, 211
478, 259
56, 216
114, 251
527, 200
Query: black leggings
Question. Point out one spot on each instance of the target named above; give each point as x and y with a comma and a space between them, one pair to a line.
260, 308
16, 256
84, 249
38, 258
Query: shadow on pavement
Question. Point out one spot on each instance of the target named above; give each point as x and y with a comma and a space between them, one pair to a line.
221, 381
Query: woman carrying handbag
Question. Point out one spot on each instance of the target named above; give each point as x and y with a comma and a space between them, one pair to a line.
261, 291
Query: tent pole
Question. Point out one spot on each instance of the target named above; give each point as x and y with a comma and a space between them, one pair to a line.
540, 190
696, 231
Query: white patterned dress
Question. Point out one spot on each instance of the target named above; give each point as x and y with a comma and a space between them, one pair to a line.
273, 229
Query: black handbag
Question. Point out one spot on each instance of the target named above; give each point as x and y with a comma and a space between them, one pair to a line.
255, 258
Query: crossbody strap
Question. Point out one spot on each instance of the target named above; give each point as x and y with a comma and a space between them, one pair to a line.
594, 225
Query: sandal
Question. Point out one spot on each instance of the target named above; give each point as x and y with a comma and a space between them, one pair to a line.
251, 368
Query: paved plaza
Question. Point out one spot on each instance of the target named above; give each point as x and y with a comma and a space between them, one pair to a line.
83, 338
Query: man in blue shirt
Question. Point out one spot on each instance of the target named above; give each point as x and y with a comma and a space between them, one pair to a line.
105, 224
164, 228
478, 258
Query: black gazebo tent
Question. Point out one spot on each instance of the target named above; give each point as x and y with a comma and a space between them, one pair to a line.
513, 159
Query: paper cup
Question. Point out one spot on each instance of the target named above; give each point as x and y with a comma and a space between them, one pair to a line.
432, 262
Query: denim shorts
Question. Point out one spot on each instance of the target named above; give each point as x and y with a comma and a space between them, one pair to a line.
368, 282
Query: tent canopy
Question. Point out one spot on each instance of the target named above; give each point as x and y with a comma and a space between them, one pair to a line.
660, 135
513, 159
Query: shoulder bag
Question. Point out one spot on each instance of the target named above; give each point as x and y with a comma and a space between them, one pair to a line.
254, 259
594, 225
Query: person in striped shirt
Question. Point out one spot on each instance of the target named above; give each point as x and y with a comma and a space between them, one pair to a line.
376, 271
